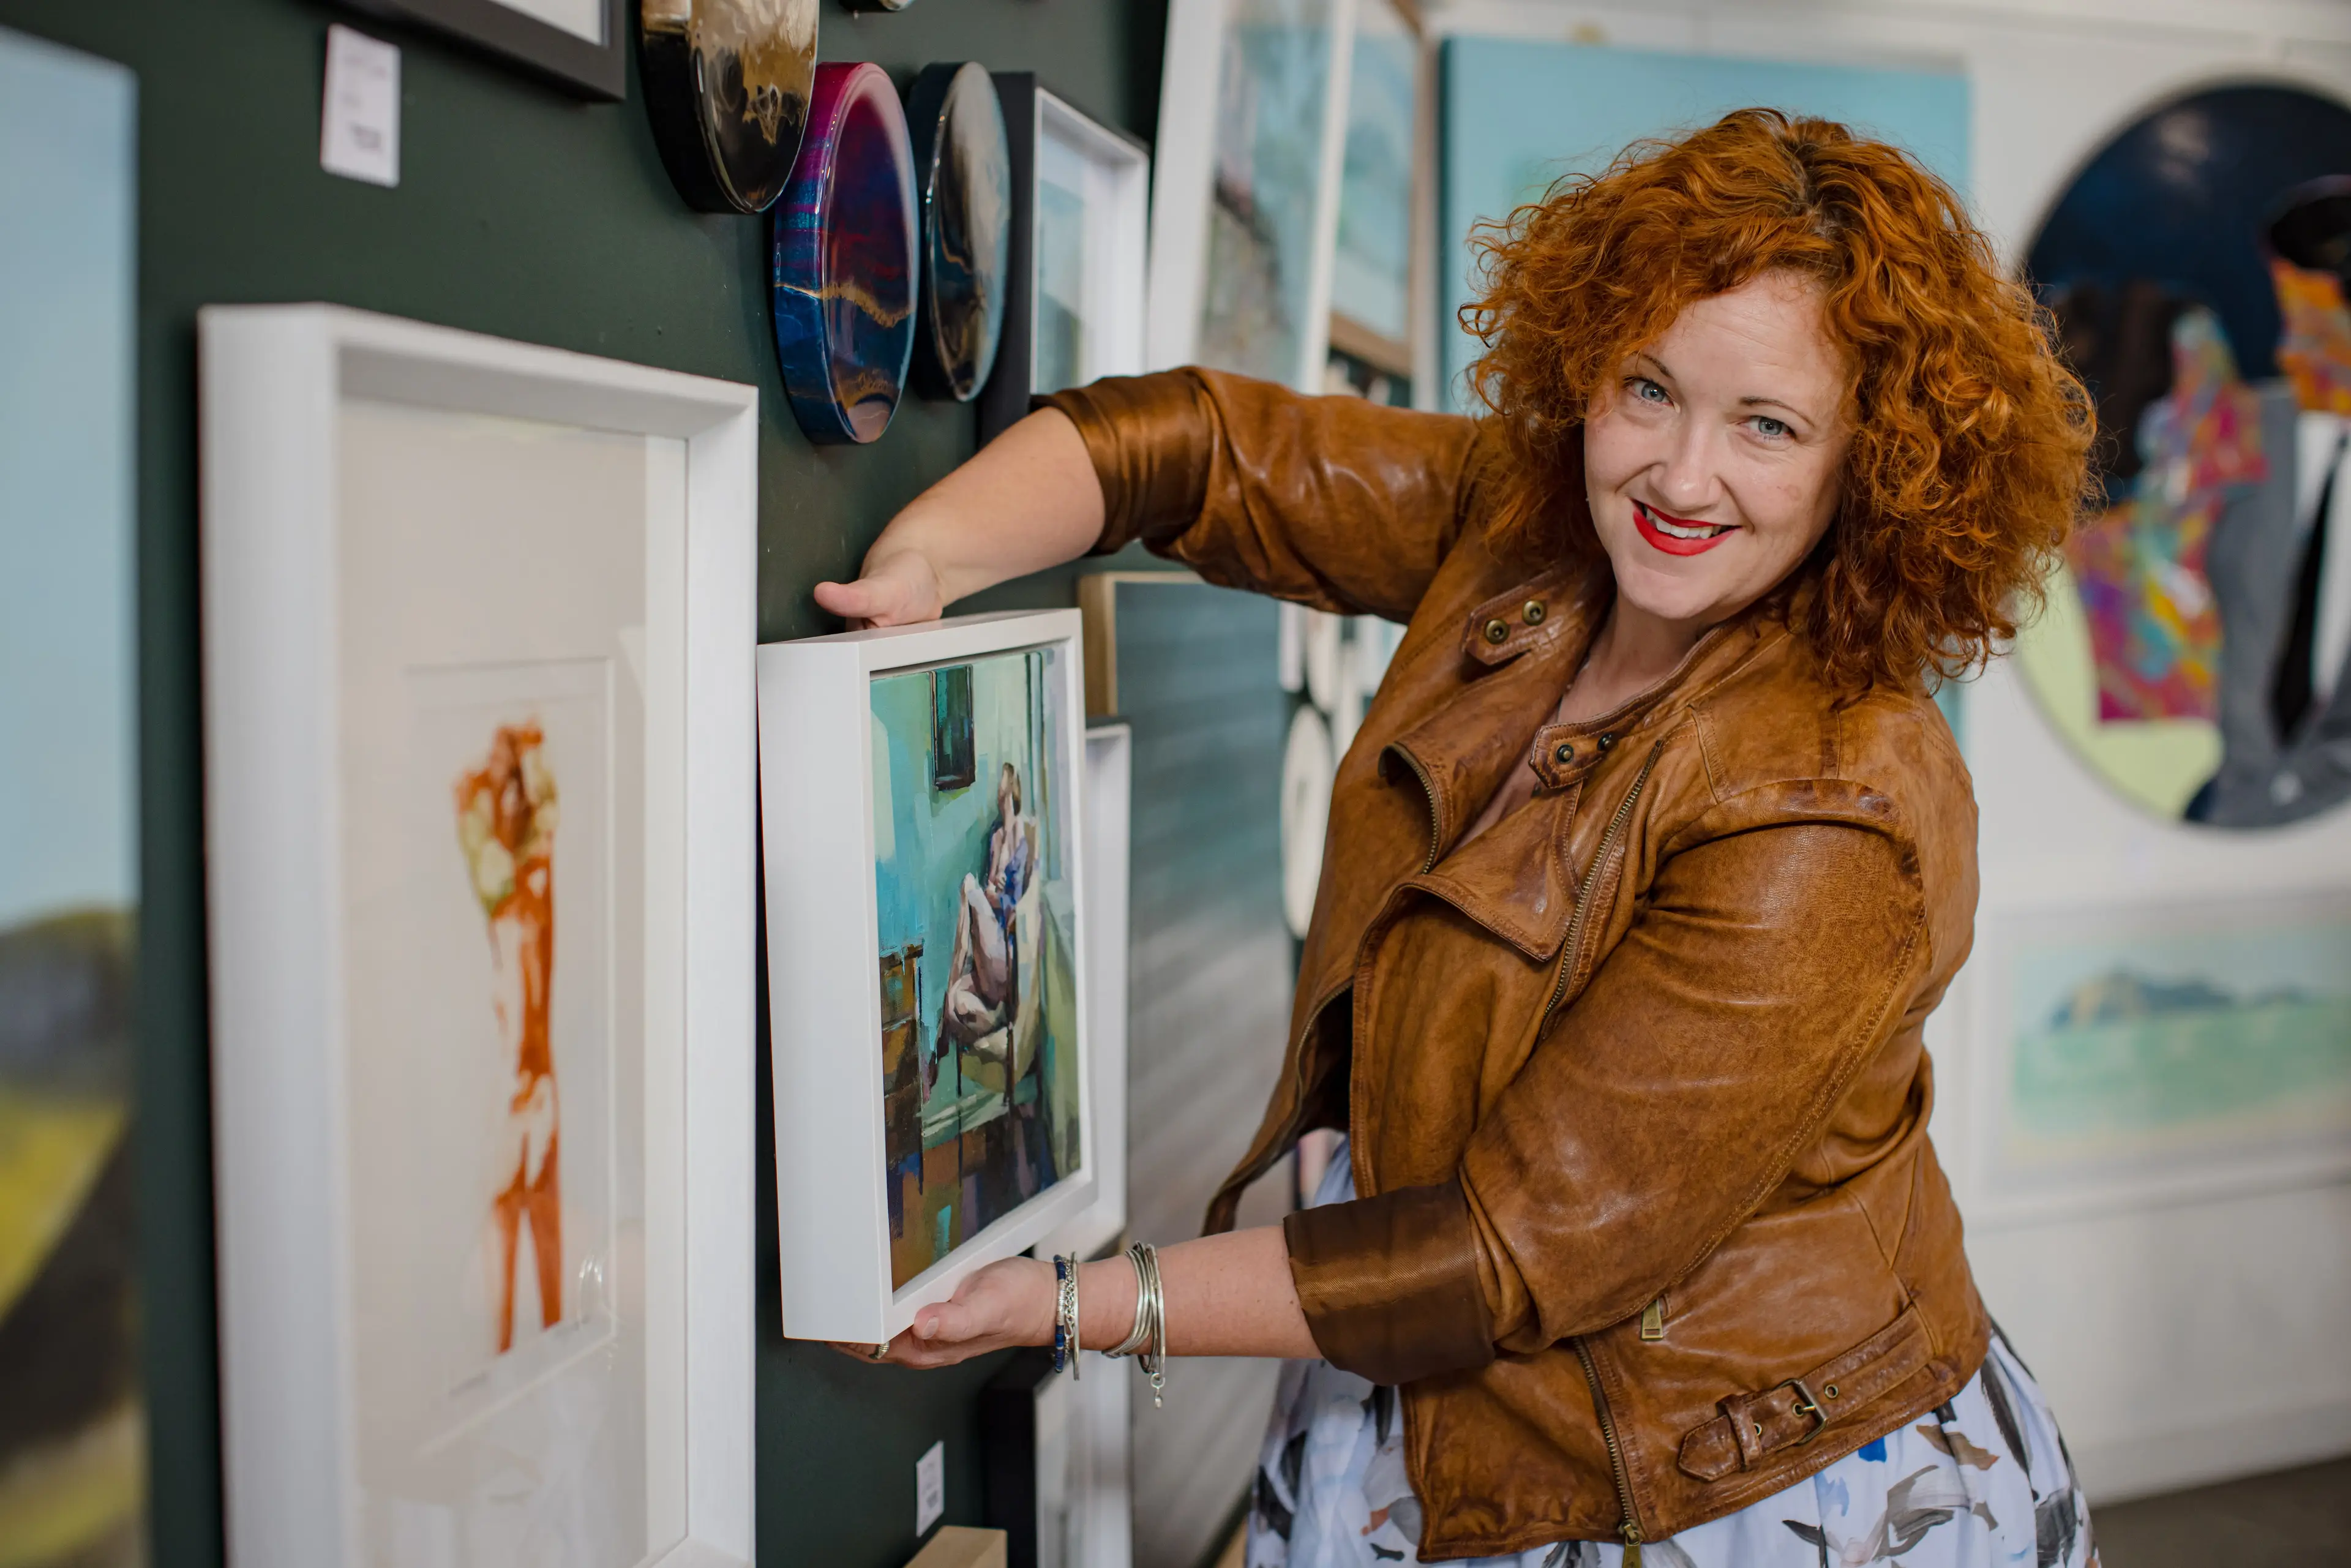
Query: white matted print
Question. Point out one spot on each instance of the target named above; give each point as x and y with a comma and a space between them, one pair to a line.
2153, 1055
478, 687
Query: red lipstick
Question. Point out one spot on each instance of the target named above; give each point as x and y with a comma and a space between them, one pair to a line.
1642, 519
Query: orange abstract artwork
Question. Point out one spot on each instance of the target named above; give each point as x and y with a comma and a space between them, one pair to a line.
506, 819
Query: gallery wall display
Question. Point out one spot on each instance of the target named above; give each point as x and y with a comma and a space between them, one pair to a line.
847, 259
578, 44
962, 167
2195, 644
479, 745
727, 85
1244, 218
927, 949
73, 1437
1081, 220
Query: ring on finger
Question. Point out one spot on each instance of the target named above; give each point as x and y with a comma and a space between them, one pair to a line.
878, 1352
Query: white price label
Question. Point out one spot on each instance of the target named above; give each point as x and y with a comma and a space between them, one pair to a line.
930, 1486
358, 122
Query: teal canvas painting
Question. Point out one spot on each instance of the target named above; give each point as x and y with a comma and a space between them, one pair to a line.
975, 919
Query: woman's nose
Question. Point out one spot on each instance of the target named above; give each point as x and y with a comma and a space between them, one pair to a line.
1686, 480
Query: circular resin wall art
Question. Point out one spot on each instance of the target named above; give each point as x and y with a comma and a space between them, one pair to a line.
726, 86
845, 260
2197, 636
963, 163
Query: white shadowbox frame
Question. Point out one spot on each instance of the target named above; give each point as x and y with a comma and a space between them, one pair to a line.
368, 485
818, 749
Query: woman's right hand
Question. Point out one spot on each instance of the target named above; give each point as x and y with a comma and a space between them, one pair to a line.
1028, 500
898, 590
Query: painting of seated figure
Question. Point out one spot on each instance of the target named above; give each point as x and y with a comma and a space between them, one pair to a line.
978, 1047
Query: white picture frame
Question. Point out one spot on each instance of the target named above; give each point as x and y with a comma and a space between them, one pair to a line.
304, 409
823, 758
1107, 830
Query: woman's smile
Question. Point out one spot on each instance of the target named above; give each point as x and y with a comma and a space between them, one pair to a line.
1678, 535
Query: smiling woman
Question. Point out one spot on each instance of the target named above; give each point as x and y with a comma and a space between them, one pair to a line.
1650, 861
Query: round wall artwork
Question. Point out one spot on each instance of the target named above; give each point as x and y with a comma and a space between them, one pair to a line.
726, 86
2195, 648
963, 163
845, 259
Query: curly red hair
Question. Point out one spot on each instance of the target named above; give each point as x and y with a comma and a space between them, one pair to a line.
1968, 464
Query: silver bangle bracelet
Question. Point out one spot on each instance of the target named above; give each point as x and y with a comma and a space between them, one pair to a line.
1147, 1340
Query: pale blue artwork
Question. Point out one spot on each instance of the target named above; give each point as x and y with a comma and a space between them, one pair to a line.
1520, 113
1272, 94
1371, 270
72, 1446
2178, 1037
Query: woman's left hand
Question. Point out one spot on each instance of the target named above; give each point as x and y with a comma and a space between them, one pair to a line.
1011, 1302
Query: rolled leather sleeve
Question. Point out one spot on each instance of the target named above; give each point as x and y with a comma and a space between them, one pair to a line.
1389, 1284
1655, 1113
1335, 502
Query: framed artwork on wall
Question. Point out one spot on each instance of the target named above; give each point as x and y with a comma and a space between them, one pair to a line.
480, 632
2142, 1054
73, 1427
927, 953
962, 168
1081, 247
578, 44
1244, 219
2199, 625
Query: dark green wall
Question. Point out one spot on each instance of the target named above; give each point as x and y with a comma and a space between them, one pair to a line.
525, 214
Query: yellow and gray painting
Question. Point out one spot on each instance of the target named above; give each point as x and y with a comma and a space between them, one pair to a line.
72, 1429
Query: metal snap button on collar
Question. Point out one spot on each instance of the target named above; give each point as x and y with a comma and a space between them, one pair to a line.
1563, 754
1533, 612
1497, 630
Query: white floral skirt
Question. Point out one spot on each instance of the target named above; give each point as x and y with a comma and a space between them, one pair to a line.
1982, 1481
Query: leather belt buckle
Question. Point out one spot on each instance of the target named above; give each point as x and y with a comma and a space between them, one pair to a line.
1807, 1406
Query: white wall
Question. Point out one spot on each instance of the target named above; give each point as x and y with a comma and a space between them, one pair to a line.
2180, 1339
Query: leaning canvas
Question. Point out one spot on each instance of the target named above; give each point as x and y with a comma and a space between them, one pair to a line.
924, 946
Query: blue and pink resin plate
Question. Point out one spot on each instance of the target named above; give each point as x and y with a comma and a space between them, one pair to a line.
846, 270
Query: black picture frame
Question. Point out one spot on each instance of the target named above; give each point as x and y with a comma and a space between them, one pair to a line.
595, 70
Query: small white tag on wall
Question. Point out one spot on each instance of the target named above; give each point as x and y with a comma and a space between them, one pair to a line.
930, 1486
359, 126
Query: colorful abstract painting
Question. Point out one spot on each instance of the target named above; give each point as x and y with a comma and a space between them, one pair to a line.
2194, 643
2154, 624
976, 921
72, 1422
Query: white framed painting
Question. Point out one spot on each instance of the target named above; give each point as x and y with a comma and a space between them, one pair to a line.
921, 796
2149, 1053
479, 646
1075, 308
1245, 218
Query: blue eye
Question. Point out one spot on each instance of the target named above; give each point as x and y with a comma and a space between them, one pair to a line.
1648, 391
1769, 428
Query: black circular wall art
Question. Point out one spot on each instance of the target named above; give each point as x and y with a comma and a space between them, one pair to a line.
726, 85
963, 166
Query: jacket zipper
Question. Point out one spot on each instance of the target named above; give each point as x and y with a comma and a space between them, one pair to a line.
1435, 807
1630, 1528
1571, 949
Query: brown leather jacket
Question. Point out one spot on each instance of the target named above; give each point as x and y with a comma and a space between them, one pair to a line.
1648, 1224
